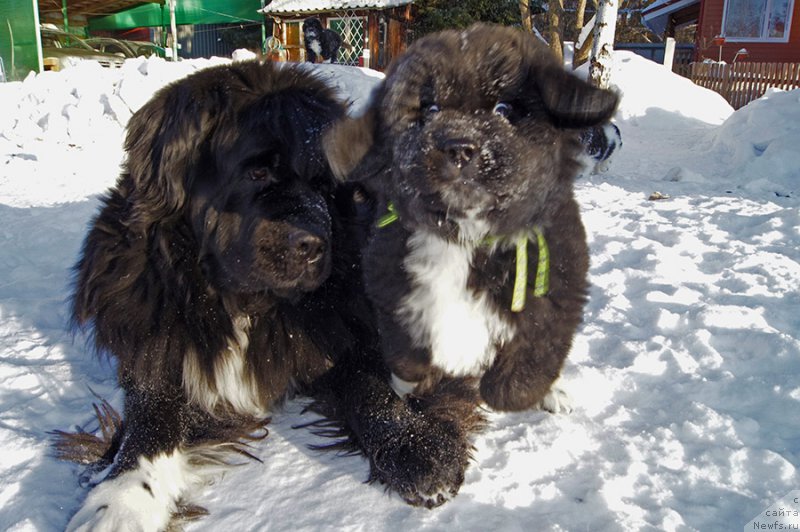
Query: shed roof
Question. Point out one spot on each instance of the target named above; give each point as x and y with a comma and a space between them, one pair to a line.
317, 6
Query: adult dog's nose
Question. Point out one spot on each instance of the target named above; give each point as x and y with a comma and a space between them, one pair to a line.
460, 151
306, 247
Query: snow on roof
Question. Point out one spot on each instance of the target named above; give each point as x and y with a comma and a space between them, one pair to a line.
656, 14
309, 6
665, 7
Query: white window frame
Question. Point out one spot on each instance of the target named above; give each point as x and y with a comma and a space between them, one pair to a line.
764, 28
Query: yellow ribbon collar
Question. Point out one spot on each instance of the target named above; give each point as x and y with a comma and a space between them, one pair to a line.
541, 284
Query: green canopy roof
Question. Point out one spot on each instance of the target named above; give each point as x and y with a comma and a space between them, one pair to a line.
186, 12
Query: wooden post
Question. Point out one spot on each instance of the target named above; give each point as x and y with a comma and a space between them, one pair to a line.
669, 52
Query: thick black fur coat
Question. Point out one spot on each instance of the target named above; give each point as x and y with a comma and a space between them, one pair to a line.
222, 273
471, 145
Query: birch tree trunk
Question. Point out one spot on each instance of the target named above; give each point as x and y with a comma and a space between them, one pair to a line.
579, 15
173, 29
525, 14
601, 60
555, 8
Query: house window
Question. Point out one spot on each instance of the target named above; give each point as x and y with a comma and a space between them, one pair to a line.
757, 20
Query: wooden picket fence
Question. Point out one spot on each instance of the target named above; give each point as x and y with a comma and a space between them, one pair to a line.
741, 83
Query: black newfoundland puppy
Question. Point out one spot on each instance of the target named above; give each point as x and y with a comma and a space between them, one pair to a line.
322, 44
478, 269
221, 273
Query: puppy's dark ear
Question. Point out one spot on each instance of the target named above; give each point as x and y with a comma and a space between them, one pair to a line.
572, 102
348, 142
350, 147
162, 144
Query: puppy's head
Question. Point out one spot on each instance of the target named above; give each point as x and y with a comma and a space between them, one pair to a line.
471, 132
233, 154
312, 28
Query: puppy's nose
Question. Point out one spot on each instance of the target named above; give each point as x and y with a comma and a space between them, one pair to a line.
460, 151
306, 247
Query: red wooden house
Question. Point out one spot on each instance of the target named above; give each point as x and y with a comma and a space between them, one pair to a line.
731, 30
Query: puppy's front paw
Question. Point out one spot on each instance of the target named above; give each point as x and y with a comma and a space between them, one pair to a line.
126, 503
557, 400
424, 462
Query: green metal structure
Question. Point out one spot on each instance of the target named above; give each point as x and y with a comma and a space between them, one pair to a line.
20, 44
186, 12
20, 47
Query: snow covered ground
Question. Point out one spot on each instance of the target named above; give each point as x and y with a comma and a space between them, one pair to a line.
684, 374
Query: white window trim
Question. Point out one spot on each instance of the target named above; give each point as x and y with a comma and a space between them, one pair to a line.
783, 39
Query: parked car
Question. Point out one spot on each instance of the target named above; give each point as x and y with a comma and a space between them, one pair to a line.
146, 49
126, 48
61, 49
110, 46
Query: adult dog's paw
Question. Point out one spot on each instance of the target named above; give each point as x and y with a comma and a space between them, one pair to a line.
423, 462
126, 503
557, 400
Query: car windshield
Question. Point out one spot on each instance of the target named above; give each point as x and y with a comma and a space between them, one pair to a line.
58, 40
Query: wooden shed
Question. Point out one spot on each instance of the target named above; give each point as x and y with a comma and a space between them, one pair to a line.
376, 31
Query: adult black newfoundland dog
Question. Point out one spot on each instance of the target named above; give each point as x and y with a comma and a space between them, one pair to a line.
221, 273
478, 269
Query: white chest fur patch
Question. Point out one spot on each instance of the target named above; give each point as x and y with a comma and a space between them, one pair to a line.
459, 327
233, 383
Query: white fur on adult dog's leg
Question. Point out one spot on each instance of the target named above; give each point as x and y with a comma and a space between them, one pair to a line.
142, 499
557, 400
402, 388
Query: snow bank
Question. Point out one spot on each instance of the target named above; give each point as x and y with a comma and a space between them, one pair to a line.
693, 136
650, 88
761, 144
71, 121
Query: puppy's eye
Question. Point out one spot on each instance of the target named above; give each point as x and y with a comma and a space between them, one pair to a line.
259, 174
502, 109
432, 109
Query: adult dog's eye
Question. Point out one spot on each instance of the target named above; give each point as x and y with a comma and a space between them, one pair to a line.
259, 174
502, 109
432, 109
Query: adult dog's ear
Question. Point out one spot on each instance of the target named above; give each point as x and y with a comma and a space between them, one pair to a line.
572, 102
163, 142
